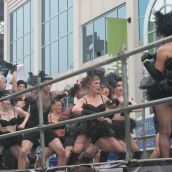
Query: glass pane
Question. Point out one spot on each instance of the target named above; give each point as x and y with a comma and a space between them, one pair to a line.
46, 59
70, 20
70, 51
19, 49
54, 59
70, 3
122, 12
141, 24
62, 5
32, 15
54, 8
26, 66
62, 54
54, 29
45, 34
32, 41
26, 18
19, 22
45, 10
63, 24
87, 42
112, 14
142, 7
99, 37
14, 52
27, 44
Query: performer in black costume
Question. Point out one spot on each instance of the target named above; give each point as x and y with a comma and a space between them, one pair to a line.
161, 73
96, 131
116, 100
32, 139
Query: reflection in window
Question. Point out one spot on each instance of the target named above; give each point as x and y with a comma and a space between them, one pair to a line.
70, 20
99, 37
88, 42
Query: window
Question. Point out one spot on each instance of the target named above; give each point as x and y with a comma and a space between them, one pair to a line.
95, 34
57, 23
21, 37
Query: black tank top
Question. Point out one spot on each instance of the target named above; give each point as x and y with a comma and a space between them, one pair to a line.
94, 109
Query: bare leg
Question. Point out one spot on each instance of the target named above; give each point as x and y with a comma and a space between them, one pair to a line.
110, 144
68, 150
164, 117
156, 152
15, 150
25, 150
81, 143
57, 146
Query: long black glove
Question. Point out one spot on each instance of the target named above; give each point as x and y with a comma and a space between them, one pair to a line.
155, 73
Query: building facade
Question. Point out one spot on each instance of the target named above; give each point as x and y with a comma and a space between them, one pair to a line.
60, 36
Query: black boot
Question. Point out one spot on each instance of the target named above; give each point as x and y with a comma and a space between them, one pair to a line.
73, 159
137, 155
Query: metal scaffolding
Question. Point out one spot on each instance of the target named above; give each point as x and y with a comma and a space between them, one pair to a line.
125, 109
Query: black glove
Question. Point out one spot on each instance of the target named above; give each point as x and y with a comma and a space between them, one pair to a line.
147, 56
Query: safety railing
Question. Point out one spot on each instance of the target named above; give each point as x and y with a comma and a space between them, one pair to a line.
125, 109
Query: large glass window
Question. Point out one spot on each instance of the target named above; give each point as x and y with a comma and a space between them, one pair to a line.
57, 28
21, 37
94, 33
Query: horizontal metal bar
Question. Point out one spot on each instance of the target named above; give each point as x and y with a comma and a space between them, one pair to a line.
89, 117
100, 62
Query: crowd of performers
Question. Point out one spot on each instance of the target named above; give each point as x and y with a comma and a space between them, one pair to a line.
98, 91
74, 143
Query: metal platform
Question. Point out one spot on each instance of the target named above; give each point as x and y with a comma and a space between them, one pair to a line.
144, 165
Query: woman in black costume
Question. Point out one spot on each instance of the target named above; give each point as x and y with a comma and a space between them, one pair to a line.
96, 131
32, 139
161, 72
116, 95
8, 124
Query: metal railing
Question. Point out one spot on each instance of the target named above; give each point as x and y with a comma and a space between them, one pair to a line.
123, 56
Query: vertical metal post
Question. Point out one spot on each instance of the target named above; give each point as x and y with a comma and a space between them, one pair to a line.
144, 134
126, 114
41, 122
